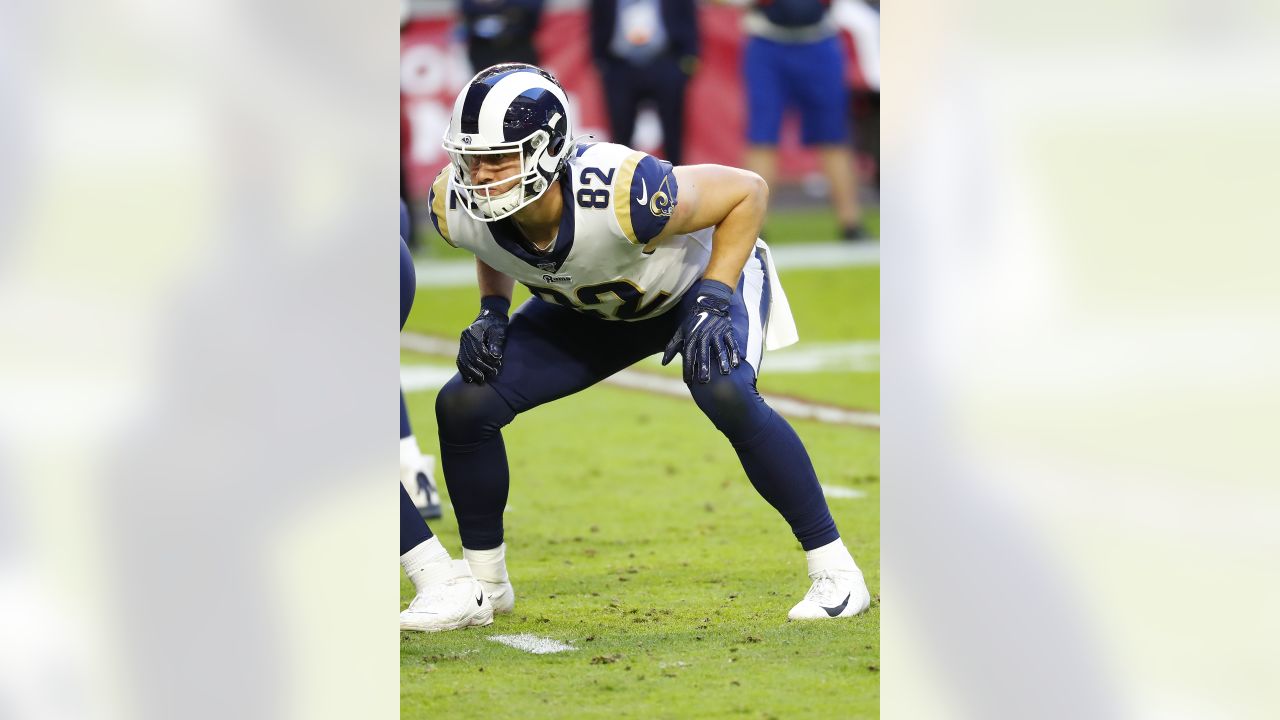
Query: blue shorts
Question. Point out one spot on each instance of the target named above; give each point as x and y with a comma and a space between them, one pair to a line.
806, 76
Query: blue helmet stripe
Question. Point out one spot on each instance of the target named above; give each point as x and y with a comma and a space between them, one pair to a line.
469, 123
529, 111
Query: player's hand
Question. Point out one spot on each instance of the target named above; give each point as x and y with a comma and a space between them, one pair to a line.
480, 349
706, 336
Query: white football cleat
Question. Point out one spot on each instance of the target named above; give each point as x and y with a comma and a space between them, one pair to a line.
417, 474
834, 594
490, 568
501, 595
458, 602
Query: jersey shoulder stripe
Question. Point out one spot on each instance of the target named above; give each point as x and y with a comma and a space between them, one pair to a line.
644, 194
622, 195
439, 193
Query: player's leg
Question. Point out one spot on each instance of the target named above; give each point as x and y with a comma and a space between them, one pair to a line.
817, 72
551, 352
470, 417
669, 94
417, 471
838, 165
767, 95
620, 99
776, 461
415, 468
445, 599
446, 596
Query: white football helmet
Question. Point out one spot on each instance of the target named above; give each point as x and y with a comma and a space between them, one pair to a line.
512, 107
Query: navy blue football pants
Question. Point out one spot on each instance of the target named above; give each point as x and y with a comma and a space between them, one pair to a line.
552, 352
413, 529
408, 280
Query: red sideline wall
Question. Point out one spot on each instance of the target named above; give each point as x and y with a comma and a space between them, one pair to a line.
434, 67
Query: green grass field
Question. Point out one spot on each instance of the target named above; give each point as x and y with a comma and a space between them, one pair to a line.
634, 536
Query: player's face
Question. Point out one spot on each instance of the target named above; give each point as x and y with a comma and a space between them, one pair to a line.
490, 168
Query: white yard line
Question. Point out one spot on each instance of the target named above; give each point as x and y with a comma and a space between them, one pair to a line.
415, 378
825, 255
533, 643
428, 344
791, 407
445, 273
853, 356
462, 273
842, 493
861, 356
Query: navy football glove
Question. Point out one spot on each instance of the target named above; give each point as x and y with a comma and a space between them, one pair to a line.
481, 347
706, 335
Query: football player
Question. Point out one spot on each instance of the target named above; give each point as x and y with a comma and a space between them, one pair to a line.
416, 469
447, 597
626, 256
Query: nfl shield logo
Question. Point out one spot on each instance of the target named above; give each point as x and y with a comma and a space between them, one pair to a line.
547, 267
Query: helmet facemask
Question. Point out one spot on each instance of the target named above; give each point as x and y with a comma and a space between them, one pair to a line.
542, 156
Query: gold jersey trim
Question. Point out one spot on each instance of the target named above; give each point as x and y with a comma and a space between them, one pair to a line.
439, 193
622, 195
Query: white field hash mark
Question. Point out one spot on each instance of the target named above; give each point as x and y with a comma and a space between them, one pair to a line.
414, 380
843, 493
533, 643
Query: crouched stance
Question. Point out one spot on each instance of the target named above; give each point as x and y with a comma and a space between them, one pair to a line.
626, 256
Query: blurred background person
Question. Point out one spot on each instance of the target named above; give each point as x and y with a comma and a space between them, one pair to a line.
793, 60
645, 51
499, 31
816, 197
859, 24
406, 135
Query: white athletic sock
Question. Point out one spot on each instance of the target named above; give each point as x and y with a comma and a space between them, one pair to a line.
832, 556
427, 564
488, 565
409, 452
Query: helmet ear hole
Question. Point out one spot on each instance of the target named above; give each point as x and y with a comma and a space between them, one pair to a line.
556, 146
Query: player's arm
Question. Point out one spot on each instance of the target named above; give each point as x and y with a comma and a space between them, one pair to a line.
732, 200
493, 283
481, 346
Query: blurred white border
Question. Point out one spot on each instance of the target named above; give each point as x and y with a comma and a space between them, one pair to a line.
197, 269
1078, 359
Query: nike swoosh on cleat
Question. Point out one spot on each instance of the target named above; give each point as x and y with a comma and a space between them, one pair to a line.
644, 193
480, 600
834, 611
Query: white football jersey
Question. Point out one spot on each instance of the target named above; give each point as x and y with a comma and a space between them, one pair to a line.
604, 260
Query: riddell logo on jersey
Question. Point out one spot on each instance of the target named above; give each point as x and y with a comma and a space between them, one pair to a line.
556, 278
